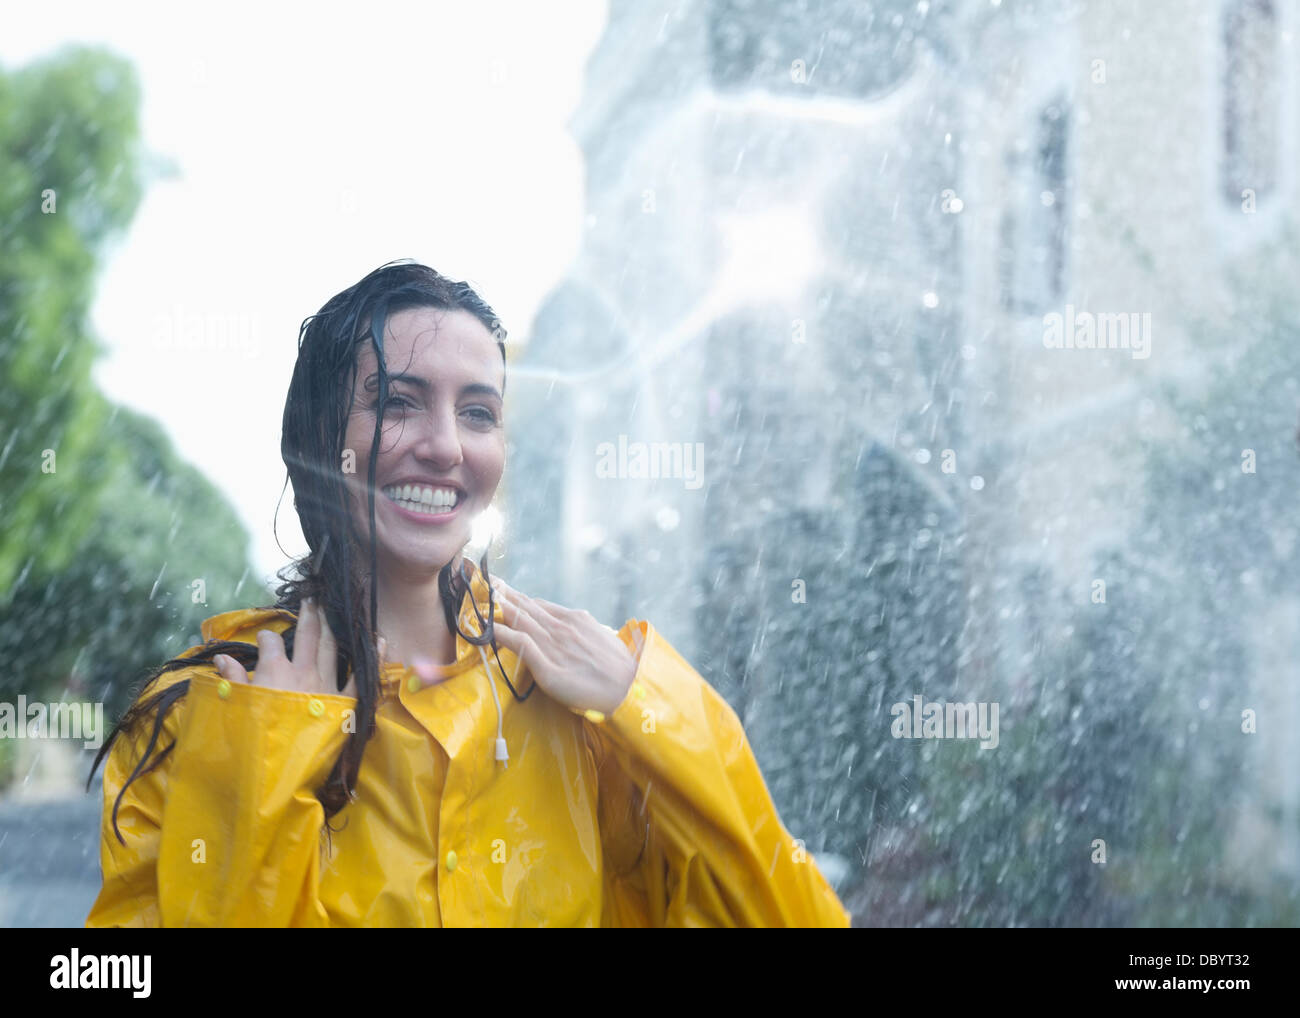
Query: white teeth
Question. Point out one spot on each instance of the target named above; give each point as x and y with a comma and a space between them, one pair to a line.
422, 498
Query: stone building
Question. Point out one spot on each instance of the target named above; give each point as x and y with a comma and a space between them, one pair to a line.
821, 244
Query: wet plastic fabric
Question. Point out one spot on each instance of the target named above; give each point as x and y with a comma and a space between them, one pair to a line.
656, 816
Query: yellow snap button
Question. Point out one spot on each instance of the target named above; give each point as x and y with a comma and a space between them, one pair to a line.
223, 689
594, 715
640, 691
413, 683
451, 862
316, 707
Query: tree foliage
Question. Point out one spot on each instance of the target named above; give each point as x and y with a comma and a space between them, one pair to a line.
113, 551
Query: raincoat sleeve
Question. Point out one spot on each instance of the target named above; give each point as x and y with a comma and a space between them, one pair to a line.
690, 834
226, 831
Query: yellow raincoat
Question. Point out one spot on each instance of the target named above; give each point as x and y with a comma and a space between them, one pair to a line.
654, 816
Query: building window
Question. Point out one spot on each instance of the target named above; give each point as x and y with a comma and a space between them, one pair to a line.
1033, 231
793, 48
1250, 99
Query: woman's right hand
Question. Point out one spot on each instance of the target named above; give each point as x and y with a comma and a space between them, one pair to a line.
314, 668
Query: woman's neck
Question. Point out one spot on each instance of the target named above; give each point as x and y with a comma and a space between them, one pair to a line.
413, 621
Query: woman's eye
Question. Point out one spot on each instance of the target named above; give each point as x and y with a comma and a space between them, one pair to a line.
400, 401
482, 415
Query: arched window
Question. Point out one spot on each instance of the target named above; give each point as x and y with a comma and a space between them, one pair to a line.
1033, 231
1251, 88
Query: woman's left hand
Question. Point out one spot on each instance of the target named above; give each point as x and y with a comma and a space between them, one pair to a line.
576, 660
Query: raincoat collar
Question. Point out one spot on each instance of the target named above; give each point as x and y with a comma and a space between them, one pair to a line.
242, 625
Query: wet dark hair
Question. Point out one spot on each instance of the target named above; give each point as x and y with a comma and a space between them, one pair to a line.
315, 421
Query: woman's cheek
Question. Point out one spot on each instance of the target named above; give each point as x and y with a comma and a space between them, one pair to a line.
489, 455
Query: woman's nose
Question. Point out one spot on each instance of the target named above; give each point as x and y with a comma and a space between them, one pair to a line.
438, 439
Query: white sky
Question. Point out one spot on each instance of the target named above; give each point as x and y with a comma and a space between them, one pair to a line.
309, 152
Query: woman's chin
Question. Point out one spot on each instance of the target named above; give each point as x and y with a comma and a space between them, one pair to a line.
426, 558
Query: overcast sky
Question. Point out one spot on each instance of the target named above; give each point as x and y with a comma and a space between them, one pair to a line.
308, 152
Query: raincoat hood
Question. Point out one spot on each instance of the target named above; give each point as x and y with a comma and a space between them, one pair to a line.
656, 815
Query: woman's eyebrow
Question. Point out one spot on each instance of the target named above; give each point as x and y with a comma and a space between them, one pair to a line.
472, 389
373, 381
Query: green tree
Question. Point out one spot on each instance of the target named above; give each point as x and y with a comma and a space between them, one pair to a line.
165, 552
69, 182
113, 551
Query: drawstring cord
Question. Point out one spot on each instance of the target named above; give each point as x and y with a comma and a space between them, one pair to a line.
502, 754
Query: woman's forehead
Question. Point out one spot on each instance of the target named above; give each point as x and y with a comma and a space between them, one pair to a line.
430, 342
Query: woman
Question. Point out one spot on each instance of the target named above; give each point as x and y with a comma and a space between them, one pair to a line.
347, 757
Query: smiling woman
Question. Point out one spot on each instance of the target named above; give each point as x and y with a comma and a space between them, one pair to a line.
442, 446
363, 705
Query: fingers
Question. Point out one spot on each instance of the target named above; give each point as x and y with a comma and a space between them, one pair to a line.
526, 627
521, 614
507, 594
270, 649
509, 637
230, 669
523, 647
306, 642
314, 668
502, 591
327, 654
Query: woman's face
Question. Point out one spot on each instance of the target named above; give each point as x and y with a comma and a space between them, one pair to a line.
443, 438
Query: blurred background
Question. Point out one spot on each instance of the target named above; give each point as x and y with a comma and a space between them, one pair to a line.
821, 256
